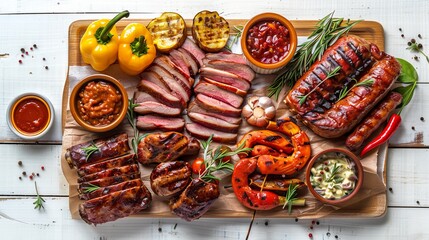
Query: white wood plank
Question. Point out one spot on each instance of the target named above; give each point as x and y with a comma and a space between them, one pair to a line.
51, 181
54, 222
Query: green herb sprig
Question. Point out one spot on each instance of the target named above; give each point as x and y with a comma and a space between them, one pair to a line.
234, 39
91, 188
213, 159
328, 31
333, 172
131, 117
409, 77
413, 46
38, 204
345, 91
331, 74
92, 148
291, 197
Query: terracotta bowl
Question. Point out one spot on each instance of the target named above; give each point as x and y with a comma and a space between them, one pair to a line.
357, 168
23, 99
74, 101
265, 68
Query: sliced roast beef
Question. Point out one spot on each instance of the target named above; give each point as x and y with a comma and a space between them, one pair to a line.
180, 61
169, 66
141, 97
153, 122
193, 107
157, 108
227, 57
213, 123
215, 105
225, 77
192, 61
154, 78
225, 86
199, 131
159, 93
175, 88
241, 70
193, 49
218, 93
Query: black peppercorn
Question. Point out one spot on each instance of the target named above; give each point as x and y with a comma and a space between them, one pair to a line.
24, 173
20, 163
420, 36
413, 40
22, 50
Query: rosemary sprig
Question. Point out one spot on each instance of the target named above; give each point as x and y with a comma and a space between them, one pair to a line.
92, 148
345, 91
331, 74
132, 121
91, 188
213, 159
327, 32
333, 172
237, 35
413, 46
38, 204
291, 197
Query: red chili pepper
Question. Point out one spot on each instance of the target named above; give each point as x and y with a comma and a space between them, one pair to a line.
392, 125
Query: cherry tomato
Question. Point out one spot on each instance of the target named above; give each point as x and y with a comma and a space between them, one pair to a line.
198, 166
224, 148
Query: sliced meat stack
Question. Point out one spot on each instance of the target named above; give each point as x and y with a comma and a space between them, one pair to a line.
166, 88
109, 179
224, 81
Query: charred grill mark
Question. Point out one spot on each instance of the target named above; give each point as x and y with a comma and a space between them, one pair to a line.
237, 180
272, 138
356, 50
342, 53
279, 122
334, 64
292, 119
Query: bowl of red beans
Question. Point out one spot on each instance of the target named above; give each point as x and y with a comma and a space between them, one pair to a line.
268, 42
98, 103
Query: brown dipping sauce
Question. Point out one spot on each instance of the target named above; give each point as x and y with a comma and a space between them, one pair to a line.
99, 103
31, 115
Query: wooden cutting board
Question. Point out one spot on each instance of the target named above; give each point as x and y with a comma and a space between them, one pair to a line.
374, 206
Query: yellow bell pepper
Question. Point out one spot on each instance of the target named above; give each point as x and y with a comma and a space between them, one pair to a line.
136, 49
99, 43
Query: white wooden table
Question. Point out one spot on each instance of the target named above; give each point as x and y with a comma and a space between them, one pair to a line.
45, 23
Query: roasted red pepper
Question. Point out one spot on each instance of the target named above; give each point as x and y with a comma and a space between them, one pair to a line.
392, 125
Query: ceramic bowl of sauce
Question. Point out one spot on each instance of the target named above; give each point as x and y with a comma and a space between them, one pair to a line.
30, 115
98, 103
334, 176
268, 42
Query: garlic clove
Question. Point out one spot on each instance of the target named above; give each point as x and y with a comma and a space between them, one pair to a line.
270, 112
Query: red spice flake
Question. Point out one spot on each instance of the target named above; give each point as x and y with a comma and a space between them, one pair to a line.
43, 168
31, 49
310, 235
26, 53
20, 61
31, 177
321, 172
22, 55
313, 222
311, 227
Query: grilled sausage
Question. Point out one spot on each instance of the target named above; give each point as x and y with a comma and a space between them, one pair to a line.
109, 189
104, 182
109, 147
169, 178
357, 59
161, 147
374, 119
110, 172
111, 163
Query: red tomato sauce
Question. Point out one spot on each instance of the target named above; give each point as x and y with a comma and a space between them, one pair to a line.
31, 115
268, 41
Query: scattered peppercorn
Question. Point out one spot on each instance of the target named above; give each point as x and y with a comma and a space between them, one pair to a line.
20, 178
317, 222
400, 29
46, 67
296, 219
43, 168
20, 61
413, 128
175, 225
420, 46
328, 234
336, 236
311, 227
418, 202
26, 53
310, 235
44, 59
159, 229
409, 43
422, 119
402, 35
38, 174
20, 163
413, 40
390, 189
266, 223
420, 36
31, 177
416, 58
22, 55
24, 173
22, 50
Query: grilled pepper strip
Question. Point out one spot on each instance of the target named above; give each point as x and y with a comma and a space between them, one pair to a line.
388, 131
99, 43
136, 49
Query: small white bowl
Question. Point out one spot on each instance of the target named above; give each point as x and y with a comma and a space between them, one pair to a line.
26, 135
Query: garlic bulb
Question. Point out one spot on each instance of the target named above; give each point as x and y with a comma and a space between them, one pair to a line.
259, 111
